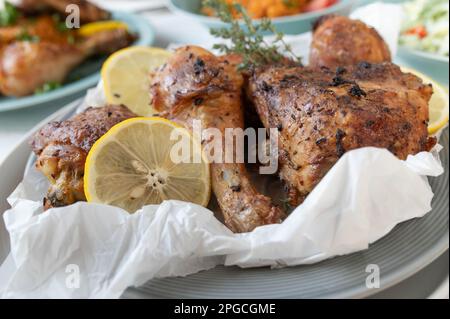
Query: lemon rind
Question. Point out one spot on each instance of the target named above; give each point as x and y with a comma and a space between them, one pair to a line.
154, 120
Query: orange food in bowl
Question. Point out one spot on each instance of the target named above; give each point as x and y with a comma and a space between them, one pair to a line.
268, 8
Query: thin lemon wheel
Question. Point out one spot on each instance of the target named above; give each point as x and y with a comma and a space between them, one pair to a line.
438, 106
126, 77
136, 164
95, 27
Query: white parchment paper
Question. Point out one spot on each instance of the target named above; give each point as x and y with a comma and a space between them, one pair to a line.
97, 251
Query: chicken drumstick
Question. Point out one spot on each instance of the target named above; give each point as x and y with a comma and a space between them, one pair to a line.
195, 84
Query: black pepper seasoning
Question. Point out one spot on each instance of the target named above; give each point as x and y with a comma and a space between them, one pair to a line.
340, 150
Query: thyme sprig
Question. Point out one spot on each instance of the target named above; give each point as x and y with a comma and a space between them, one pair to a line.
248, 41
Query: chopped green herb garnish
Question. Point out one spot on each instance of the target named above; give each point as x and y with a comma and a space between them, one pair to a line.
9, 15
32, 20
71, 39
248, 41
62, 27
60, 24
47, 87
25, 36
286, 204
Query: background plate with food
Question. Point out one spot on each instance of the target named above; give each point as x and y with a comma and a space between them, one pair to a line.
424, 40
75, 71
290, 17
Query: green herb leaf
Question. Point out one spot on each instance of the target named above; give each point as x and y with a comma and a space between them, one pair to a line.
248, 41
290, 3
286, 204
47, 87
71, 39
9, 15
59, 24
25, 36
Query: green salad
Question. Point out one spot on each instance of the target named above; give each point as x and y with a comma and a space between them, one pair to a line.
426, 26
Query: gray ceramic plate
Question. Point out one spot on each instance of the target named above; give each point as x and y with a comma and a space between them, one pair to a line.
407, 249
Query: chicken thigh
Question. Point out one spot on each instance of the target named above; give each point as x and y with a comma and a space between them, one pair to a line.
62, 148
322, 114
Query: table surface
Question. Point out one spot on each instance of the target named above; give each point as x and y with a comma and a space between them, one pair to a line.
15, 124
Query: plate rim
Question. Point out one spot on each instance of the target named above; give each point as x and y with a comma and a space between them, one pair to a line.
405, 50
147, 36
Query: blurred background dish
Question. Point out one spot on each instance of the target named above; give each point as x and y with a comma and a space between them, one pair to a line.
258, 9
424, 40
419, 18
290, 24
425, 26
84, 76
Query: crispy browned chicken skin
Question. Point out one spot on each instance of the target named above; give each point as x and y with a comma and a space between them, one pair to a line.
88, 11
322, 114
340, 41
62, 148
195, 84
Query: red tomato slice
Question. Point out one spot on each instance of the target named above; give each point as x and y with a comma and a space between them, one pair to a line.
420, 31
315, 5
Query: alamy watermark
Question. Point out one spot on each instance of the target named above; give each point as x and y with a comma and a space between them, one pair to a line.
228, 146
73, 276
73, 16
373, 279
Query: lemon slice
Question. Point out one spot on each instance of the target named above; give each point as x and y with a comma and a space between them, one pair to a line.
95, 27
438, 106
438, 109
134, 164
126, 77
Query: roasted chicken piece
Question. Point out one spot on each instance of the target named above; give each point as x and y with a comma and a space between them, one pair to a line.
62, 147
88, 11
42, 28
27, 65
195, 84
340, 41
38, 50
322, 114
